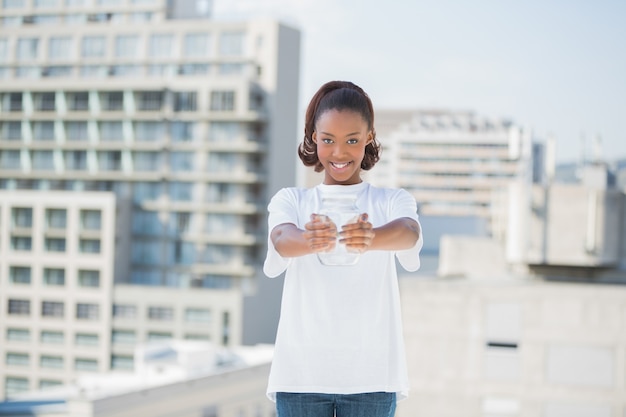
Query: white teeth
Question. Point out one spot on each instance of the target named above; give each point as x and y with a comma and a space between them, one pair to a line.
336, 165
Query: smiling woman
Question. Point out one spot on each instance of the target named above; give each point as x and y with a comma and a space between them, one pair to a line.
339, 349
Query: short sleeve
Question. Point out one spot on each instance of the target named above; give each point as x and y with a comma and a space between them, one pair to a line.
281, 209
403, 205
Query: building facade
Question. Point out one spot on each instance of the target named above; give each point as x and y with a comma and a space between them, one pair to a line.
185, 122
451, 161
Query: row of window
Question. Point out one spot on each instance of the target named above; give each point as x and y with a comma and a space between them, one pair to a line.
229, 69
177, 101
46, 19
121, 337
55, 218
20, 4
128, 161
56, 309
129, 46
19, 307
22, 275
181, 191
124, 131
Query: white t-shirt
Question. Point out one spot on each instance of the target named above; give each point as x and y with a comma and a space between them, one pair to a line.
340, 328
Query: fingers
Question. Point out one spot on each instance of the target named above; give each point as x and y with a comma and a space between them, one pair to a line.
358, 236
320, 233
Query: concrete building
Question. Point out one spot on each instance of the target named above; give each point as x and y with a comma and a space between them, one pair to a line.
529, 322
185, 123
452, 161
171, 378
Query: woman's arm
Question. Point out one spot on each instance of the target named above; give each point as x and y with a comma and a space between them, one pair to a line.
398, 234
290, 241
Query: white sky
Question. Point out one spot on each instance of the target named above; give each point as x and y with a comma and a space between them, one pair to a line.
556, 66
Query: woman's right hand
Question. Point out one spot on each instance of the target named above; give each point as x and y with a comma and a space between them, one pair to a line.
320, 233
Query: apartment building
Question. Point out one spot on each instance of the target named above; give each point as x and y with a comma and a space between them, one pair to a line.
452, 161
184, 122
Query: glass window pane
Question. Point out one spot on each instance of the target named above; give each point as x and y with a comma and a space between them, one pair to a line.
93, 47
126, 46
196, 45
27, 49
231, 43
59, 48
161, 46
54, 276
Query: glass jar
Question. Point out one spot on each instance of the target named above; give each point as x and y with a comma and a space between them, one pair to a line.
341, 209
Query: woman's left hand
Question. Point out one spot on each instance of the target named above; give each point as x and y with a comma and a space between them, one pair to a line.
357, 236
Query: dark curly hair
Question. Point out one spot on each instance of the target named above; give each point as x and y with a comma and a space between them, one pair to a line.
338, 95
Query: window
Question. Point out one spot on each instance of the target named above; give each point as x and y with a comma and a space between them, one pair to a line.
180, 191
54, 362
12, 102
78, 101
149, 100
88, 278
225, 131
218, 223
124, 337
222, 101
14, 385
181, 131
56, 218
196, 336
86, 339
196, 45
122, 362
179, 223
126, 311
161, 313
185, 101
219, 192
110, 160
12, 131
111, 131
19, 274
55, 244
181, 161
197, 315
45, 101
89, 246
13, 4
159, 336
194, 69
146, 276
59, 48
10, 160
22, 217
230, 68
90, 365
146, 191
76, 131
17, 359
182, 253
146, 223
18, 335
149, 131
93, 47
54, 276
43, 160
231, 43
21, 243
27, 49
43, 131
112, 101
49, 383
90, 219
52, 337
45, 3
18, 307
161, 46
146, 161
76, 160
127, 46
52, 309
86, 311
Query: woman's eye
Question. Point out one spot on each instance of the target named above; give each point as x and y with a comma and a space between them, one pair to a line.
326, 140
353, 141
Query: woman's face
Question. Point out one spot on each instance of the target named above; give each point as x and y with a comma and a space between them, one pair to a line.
341, 137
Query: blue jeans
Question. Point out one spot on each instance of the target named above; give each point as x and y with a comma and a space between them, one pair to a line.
371, 404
